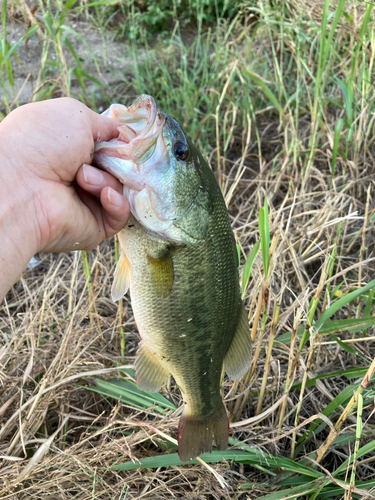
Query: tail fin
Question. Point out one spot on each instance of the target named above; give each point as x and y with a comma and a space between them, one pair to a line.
195, 435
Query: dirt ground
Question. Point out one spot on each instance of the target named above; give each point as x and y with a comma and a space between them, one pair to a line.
109, 65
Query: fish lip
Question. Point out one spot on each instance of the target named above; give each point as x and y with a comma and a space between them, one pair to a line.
142, 146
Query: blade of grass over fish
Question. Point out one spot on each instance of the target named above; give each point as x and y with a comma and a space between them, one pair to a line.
248, 265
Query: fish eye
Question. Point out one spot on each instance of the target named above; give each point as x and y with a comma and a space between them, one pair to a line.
180, 150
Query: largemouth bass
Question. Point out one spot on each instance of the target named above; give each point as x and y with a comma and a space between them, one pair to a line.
178, 256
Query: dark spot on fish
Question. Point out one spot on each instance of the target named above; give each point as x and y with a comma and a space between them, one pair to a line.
130, 225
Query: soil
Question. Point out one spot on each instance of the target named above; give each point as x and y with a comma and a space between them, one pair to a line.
112, 62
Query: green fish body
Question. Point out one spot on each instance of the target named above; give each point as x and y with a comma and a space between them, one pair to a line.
184, 289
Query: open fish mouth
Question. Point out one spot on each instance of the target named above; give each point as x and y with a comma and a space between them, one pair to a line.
141, 126
154, 161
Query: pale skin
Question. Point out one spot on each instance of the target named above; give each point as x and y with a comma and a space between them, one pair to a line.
51, 198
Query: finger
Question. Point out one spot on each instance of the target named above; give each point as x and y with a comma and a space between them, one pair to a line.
103, 128
93, 231
116, 211
93, 180
82, 225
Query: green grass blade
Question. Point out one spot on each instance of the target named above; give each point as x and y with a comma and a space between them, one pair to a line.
340, 303
296, 492
364, 450
350, 373
347, 348
248, 265
127, 392
264, 232
246, 457
336, 326
340, 400
267, 92
336, 492
336, 142
14, 47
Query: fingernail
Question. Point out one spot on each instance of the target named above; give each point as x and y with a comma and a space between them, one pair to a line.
114, 197
92, 175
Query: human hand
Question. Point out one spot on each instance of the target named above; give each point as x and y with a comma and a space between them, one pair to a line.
48, 200
50, 141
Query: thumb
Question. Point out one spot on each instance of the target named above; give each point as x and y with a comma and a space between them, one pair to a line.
103, 128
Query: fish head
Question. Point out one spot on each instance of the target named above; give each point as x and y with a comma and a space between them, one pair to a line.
161, 171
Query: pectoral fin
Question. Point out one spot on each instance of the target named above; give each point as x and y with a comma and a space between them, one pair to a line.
238, 357
121, 281
161, 268
150, 375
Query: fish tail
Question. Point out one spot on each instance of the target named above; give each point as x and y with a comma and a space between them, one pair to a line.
195, 434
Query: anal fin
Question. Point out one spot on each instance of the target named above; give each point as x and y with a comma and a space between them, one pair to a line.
121, 281
238, 357
150, 375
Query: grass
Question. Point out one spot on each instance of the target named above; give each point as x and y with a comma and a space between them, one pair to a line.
279, 97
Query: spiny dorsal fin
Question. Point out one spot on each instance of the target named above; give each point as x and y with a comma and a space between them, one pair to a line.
161, 268
238, 357
121, 280
150, 375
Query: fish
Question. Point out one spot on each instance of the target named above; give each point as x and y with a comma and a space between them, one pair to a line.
179, 260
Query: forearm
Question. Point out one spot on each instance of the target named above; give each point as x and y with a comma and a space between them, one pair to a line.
18, 243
